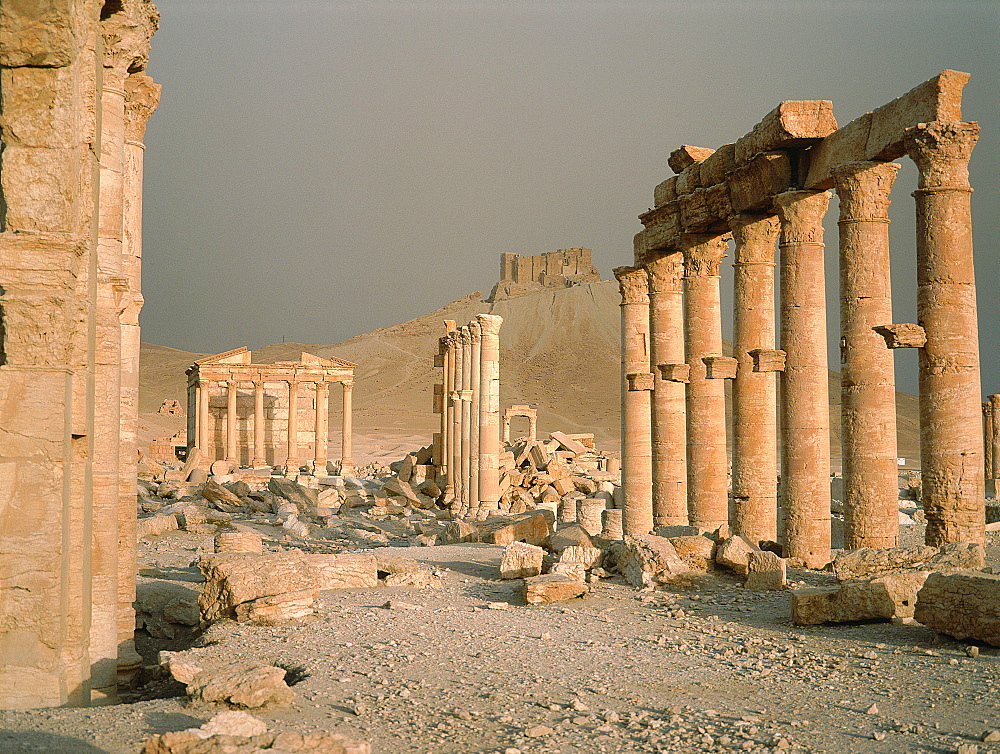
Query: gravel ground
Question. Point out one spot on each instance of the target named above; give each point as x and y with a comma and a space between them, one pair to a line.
467, 668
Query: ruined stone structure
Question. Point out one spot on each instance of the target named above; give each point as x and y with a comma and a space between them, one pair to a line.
268, 414
467, 449
74, 110
991, 444
531, 414
554, 269
771, 188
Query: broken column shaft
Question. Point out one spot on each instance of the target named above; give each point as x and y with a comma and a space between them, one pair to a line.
805, 405
489, 407
475, 350
867, 379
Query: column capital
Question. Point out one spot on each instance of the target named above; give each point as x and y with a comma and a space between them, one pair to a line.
664, 270
489, 324
755, 237
474, 331
348, 384
450, 326
941, 152
633, 285
801, 214
464, 337
703, 253
142, 95
863, 189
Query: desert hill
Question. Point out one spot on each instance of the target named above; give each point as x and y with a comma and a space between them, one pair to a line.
560, 352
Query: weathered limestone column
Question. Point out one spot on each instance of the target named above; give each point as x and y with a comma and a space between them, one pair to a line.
867, 377
465, 395
992, 444
142, 96
489, 422
292, 454
347, 468
322, 425
755, 407
475, 350
456, 410
232, 436
950, 458
665, 271
259, 450
637, 383
805, 406
204, 440
707, 464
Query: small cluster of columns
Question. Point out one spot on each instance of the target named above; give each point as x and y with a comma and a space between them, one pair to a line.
293, 449
673, 407
991, 444
469, 357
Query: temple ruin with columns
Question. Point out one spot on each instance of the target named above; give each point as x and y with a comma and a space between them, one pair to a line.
768, 193
268, 414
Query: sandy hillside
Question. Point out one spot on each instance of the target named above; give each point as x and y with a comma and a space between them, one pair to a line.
559, 353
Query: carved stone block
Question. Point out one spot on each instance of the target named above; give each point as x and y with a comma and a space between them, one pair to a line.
720, 367
640, 381
902, 336
768, 360
675, 372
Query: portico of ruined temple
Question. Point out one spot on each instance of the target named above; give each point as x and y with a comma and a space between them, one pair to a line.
72, 119
553, 269
268, 414
767, 194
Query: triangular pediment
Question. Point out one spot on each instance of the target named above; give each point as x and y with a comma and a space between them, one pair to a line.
239, 355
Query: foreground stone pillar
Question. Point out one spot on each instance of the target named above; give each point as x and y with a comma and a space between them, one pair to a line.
465, 396
755, 450
637, 450
204, 439
707, 464
805, 406
259, 450
992, 444
322, 424
867, 377
292, 455
232, 436
456, 403
665, 271
347, 468
950, 457
489, 408
475, 351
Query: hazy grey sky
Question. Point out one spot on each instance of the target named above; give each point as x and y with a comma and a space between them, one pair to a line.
320, 168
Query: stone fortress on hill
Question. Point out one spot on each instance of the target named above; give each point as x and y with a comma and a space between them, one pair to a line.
554, 269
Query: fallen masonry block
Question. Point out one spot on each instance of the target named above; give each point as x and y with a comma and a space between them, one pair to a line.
239, 541
242, 685
648, 559
458, 531
345, 570
965, 605
194, 741
531, 527
154, 526
572, 535
575, 571
521, 560
588, 557
399, 571
305, 498
221, 498
765, 570
865, 563
166, 609
279, 608
882, 598
399, 488
234, 579
551, 587
180, 669
568, 443
734, 553
697, 551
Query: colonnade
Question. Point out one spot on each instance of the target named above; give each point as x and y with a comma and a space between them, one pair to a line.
276, 384
768, 194
467, 449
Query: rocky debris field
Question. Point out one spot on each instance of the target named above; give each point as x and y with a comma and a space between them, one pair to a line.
344, 619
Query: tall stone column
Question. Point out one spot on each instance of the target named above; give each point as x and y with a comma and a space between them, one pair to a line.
867, 376
637, 384
347, 467
465, 395
259, 449
292, 454
458, 482
475, 350
992, 444
755, 407
204, 440
442, 461
232, 434
950, 458
665, 271
707, 464
805, 406
321, 426
489, 421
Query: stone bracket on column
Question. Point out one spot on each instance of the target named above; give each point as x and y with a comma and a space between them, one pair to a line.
902, 336
675, 372
639, 381
768, 360
720, 367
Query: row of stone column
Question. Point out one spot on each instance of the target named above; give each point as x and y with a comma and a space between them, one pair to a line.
673, 412
470, 415
292, 460
991, 443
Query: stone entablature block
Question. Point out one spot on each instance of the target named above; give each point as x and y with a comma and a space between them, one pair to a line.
768, 360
